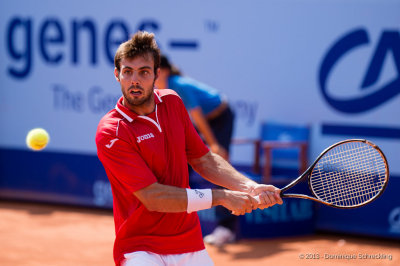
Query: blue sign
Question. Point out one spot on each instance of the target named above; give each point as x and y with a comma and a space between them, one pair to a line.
388, 42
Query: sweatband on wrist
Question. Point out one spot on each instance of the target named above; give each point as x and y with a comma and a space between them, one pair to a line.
198, 199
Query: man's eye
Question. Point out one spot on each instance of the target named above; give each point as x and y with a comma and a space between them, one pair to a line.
145, 72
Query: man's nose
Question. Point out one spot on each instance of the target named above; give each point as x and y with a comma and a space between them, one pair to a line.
135, 79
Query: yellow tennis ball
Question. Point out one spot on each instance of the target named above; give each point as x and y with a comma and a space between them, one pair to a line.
37, 139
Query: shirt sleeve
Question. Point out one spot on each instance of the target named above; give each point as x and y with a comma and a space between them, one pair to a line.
186, 91
189, 97
123, 164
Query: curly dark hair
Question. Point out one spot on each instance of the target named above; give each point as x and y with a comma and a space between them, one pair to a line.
141, 44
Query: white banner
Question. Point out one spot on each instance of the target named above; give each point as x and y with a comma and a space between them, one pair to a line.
321, 63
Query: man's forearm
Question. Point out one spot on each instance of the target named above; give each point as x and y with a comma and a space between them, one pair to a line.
163, 198
218, 171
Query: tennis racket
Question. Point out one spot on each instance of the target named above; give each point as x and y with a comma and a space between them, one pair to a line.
348, 174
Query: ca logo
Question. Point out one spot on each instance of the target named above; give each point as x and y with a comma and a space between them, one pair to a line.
389, 42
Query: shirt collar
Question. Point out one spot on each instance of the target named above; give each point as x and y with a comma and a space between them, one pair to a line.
130, 115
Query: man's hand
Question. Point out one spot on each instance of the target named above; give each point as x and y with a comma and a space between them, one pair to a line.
268, 195
239, 203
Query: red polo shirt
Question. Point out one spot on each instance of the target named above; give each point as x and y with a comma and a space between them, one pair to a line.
137, 151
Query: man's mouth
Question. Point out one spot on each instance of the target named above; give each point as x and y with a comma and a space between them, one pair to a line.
136, 91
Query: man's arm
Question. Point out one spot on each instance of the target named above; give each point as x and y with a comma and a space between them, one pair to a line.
164, 198
218, 171
238, 199
202, 125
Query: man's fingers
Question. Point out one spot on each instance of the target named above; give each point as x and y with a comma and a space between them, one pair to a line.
245, 206
255, 201
268, 198
265, 199
278, 198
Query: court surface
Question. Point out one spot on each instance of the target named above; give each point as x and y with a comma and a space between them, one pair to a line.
42, 234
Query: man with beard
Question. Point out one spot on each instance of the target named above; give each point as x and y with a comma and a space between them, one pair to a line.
145, 144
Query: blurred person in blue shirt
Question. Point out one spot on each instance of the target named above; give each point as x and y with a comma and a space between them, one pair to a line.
213, 118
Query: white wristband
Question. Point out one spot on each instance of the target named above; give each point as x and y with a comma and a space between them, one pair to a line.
198, 199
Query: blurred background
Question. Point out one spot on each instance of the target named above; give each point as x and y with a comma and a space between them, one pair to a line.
301, 74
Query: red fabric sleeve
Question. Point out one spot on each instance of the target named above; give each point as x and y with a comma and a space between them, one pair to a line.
124, 164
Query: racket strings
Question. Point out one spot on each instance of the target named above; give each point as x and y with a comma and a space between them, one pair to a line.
338, 177
351, 186
349, 174
346, 194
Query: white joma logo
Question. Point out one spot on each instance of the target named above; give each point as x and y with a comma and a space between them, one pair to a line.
111, 143
143, 137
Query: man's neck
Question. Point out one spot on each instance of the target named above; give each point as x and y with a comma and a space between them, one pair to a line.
143, 109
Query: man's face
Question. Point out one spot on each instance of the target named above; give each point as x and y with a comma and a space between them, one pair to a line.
137, 79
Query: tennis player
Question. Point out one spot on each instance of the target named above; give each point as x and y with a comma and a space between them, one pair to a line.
145, 144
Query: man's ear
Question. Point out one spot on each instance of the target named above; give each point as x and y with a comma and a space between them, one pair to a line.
157, 73
116, 74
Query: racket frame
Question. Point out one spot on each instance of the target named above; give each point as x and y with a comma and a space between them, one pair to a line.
307, 175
